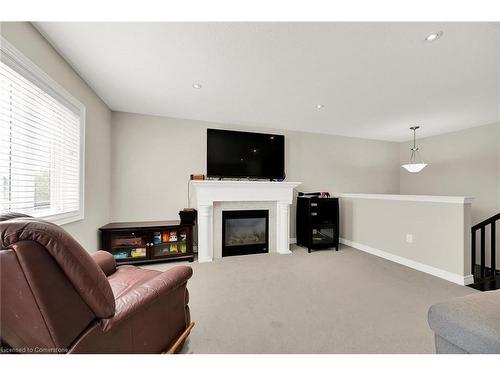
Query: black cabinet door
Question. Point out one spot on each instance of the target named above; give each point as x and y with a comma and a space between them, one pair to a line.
323, 211
171, 242
127, 245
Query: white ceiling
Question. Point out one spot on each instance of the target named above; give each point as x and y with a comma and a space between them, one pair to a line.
375, 80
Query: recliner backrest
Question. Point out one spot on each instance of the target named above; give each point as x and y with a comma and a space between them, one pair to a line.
50, 288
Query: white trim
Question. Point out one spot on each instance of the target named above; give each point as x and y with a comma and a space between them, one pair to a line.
293, 240
55, 89
410, 198
204, 260
43, 78
227, 183
469, 279
446, 275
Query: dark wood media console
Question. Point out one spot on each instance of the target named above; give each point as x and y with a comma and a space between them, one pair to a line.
148, 241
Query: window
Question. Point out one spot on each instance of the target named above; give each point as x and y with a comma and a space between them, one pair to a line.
41, 142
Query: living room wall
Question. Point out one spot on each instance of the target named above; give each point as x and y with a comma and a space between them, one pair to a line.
465, 162
153, 156
33, 45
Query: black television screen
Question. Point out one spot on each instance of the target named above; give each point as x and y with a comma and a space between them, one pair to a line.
241, 154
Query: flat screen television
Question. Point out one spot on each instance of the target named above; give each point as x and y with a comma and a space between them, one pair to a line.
235, 154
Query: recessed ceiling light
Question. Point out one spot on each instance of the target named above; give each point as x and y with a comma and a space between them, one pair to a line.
319, 106
434, 36
197, 86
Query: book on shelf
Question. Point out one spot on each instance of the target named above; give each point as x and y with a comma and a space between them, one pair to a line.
173, 235
157, 238
129, 241
165, 237
120, 255
139, 252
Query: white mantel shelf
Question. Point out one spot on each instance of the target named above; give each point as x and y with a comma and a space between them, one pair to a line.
204, 193
207, 191
243, 182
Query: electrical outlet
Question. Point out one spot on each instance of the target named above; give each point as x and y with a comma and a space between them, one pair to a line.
409, 238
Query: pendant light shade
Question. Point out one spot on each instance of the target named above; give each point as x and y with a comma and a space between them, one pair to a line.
415, 164
415, 167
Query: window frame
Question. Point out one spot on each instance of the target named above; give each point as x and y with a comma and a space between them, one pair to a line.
30, 71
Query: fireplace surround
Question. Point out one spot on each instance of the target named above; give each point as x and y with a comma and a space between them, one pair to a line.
209, 196
245, 232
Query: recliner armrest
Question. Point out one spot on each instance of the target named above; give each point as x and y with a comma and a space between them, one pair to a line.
105, 261
157, 289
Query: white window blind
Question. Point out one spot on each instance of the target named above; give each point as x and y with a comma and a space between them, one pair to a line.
40, 145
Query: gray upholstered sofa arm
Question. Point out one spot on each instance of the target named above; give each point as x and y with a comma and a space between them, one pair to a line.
469, 324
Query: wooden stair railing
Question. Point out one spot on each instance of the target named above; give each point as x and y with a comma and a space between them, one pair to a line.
482, 243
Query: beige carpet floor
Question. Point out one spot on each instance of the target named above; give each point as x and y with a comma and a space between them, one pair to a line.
325, 302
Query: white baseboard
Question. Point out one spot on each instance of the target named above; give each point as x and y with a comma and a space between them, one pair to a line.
203, 260
446, 275
293, 240
469, 279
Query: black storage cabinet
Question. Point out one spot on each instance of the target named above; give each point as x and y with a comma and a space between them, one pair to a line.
318, 223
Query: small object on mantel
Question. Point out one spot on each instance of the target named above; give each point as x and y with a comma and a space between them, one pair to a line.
188, 216
315, 194
322, 194
197, 177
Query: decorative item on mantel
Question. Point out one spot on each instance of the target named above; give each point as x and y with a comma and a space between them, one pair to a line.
322, 194
197, 177
415, 164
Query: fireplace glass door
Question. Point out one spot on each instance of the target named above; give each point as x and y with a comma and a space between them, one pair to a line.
245, 232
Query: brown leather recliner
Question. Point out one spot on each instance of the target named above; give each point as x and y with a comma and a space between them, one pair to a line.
56, 297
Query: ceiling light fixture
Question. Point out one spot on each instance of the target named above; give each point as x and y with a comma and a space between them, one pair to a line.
319, 106
415, 164
197, 86
434, 36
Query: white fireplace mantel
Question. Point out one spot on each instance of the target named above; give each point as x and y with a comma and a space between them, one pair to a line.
204, 193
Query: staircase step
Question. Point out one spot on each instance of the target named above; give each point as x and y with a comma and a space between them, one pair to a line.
488, 283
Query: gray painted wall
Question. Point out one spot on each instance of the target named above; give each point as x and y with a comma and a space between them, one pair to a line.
30, 42
154, 156
465, 162
440, 231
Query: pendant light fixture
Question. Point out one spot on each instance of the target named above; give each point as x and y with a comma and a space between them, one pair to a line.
415, 164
